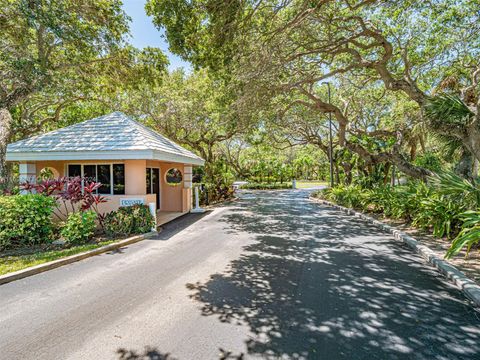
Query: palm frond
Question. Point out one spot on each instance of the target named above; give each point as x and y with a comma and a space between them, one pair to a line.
447, 109
450, 184
469, 236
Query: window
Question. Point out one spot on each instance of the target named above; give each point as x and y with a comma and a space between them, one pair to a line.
173, 177
90, 172
103, 176
112, 176
119, 179
74, 170
153, 181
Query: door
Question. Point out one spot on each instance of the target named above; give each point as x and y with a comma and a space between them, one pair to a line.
153, 183
156, 185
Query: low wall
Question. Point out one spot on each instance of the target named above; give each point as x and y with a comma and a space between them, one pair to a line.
113, 203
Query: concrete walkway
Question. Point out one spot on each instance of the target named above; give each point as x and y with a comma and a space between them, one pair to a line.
269, 276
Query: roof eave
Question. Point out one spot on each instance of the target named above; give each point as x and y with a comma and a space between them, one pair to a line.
101, 155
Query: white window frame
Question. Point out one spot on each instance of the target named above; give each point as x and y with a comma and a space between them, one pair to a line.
82, 164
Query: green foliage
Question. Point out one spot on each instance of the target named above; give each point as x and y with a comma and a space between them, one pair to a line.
349, 196
79, 227
267, 186
18, 260
447, 109
463, 190
440, 214
215, 192
448, 206
25, 220
129, 220
470, 234
429, 161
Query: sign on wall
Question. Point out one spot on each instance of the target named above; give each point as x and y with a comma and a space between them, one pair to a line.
131, 201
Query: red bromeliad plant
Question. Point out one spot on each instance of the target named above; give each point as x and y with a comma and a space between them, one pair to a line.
76, 194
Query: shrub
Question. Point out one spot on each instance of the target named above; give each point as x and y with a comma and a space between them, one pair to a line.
128, 220
266, 186
74, 193
439, 213
444, 207
469, 235
349, 196
25, 220
79, 227
215, 192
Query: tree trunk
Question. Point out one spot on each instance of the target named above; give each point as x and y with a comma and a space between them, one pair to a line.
465, 167
337, 173
347, 169
5, 133
386, 173
394, 157
472, 141
476, 165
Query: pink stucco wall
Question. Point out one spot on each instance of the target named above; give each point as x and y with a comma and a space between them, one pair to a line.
172, 198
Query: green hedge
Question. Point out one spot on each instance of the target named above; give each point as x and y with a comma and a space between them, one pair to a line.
266, 186
129, 220
25, 220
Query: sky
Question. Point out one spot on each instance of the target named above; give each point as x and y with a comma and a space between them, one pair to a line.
143, 33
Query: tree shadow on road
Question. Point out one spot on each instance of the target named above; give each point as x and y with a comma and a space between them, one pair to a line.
151, 353
169, 229
319, 284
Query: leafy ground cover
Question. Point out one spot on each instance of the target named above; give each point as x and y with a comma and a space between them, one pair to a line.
448, 207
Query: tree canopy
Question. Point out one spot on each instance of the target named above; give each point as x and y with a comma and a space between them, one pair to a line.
389, 62
56, 53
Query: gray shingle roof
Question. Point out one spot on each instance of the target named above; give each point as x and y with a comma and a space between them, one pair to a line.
112, 132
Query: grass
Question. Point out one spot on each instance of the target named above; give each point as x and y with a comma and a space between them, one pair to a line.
11, 263
306, 184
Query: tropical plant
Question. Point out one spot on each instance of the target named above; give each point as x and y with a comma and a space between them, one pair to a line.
468, 236
26, 220
349, 196
439, 213
79, 227
129, 220
75, 194
463, 190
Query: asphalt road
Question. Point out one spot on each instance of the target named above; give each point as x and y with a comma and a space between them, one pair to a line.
269, 276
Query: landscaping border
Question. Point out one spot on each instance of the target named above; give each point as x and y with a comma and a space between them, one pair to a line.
37, 269
457, 277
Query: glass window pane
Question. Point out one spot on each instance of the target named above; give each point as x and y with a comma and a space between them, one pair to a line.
103, 177
119, 179
90, 172
74, 170
149, 181
155, 180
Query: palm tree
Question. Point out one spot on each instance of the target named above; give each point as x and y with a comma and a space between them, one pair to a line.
449, 118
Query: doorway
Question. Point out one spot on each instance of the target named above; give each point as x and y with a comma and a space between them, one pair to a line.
153, 184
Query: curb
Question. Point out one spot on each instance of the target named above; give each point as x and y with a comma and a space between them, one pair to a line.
37, 269
455, 276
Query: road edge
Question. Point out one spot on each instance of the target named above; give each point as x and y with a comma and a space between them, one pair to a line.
455, 276
37, 269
